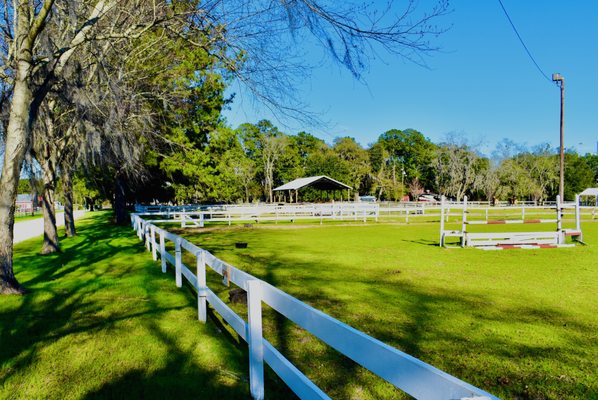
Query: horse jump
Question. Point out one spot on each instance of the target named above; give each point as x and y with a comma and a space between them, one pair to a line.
501, 240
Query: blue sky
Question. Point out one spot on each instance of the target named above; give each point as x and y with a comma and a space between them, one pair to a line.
481, 84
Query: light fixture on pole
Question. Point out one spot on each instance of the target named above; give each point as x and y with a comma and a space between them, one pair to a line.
560, 81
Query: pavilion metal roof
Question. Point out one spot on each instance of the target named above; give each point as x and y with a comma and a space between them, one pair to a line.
321, 182
589, 192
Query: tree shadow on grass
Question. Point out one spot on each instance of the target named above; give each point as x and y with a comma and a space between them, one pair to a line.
100, 296
487, 353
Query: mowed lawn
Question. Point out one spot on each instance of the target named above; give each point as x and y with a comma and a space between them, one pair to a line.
517, 323
101, 321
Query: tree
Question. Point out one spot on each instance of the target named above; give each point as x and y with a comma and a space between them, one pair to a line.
30, 71
237, 26
409, 151
352, 154
458, 169
578, 175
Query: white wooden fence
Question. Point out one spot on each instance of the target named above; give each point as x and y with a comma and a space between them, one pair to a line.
196, 215
407, 373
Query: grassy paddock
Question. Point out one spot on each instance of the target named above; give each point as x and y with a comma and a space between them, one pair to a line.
101, 321
518, 323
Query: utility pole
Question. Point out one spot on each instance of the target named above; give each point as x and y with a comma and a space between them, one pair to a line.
560, 81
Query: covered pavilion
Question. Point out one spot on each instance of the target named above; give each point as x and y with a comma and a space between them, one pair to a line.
321, 182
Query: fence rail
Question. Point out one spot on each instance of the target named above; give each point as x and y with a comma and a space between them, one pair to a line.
405, 372
197, 216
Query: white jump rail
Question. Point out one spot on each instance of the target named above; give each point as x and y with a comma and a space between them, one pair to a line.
485, 239
413, 376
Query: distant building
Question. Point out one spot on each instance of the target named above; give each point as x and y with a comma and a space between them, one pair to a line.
24, 203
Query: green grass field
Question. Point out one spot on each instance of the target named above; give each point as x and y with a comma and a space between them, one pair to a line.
101, 320
518, 323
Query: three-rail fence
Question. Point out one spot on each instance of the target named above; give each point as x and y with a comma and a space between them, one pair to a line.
413, 376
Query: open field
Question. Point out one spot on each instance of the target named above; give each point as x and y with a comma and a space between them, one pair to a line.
101, 321
518, 323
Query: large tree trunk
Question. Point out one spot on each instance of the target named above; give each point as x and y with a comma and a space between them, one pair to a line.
120, 201
69, 216
50, 244
17, 135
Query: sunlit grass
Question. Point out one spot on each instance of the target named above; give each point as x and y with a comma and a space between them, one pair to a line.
517, 323
101, 321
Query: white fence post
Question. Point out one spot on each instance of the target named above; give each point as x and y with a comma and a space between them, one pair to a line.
559, 220
178, 263
577, 214
255, 341
153, 242
146, 229
441, 221
162, 252
464, 223
202, 311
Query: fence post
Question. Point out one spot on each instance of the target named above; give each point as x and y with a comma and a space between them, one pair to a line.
254, 339
146, 234
183, 221
153, 242
577, 214
202, 311
559, 220
201, 220
464, 223
162, 251
178, 262
442, 221
523, 212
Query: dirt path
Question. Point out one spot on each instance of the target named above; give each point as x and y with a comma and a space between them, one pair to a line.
35, 227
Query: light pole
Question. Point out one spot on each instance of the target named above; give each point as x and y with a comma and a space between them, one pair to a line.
560, 81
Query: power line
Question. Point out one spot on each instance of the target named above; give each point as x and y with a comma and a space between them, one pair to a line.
523, 43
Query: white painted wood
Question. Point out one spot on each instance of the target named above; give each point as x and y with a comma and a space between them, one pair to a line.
178, 263
442, 201
411, 375
236, 322
202, 309
295, 379
153, 242
255, 339
162, 252
407, 373
187, 273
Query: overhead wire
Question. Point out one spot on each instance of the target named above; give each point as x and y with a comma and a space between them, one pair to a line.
522, 42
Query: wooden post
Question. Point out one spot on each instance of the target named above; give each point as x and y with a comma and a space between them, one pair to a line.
147, 236
162, 252
522, 211
178, 263
202, 311
153, 242
255, 340
464, 222
559, 220
577, 214
442, 221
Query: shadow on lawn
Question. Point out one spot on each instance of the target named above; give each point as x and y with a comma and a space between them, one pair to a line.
65, 300
481, 353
